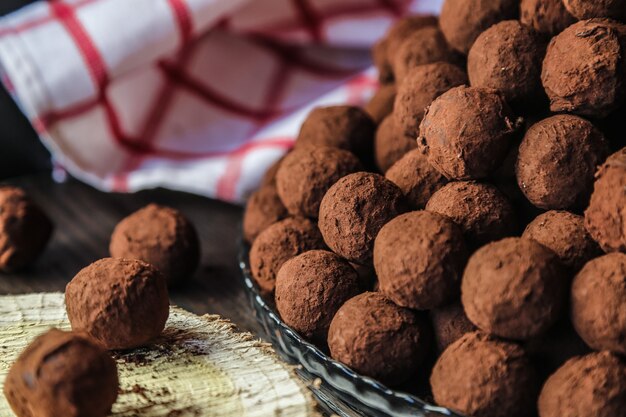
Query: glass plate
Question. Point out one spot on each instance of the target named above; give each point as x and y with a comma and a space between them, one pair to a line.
339, 389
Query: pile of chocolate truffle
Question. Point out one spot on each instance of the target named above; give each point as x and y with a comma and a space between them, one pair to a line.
116, 303
468, 226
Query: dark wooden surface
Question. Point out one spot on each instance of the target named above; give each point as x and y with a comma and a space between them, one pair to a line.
84, 219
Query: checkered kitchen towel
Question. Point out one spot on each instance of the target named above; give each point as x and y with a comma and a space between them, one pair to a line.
195, 95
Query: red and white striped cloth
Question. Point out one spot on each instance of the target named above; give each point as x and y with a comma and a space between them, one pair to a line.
194, 95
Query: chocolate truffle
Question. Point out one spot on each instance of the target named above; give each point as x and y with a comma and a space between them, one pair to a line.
419, 259
419, 88
161, 236
391, 144
354, 210
378, 339
583, 71
279, 243
382, 64
557, 160
585, 9
605, 218
462, 21
484, 377
450, 324
423, 46
591, 385
344, 127
24, 229
381, 104
507, 57
598, 303
514, 288
481, 210
62, 374
122, 303
548, 17
564, 233
264, 208
417, 179
310, 288
307, 173
269, 178
467, 132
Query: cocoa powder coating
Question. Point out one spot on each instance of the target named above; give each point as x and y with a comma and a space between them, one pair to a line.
264, 208
450, 323
122, 303
391, 144
381, 104
62, 374
419, 259
269, 178
585, 9
548, 17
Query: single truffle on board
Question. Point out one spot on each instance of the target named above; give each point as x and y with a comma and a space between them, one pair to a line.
564, 233
310, 288
378, 339
507, 57
423, 46
161, 236
264, 208
419, 88
62, 374
122, 303
557, 160
467, 132
344, 127
605, 218
598, 303
481, 210
417, 179
419, 259
585, 9
279, 243
391, 144
381, 104
583, 71
514, 288
450, 324
24, 229
354, 210
484, 377
462, 21
590, 385
548, 17
307, 173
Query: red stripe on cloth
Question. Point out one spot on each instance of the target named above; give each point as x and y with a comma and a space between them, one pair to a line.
182, 14
392, 6
309, 18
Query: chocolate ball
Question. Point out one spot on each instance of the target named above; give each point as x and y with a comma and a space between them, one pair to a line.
564, 233
423, 46
417, 179
583, 68
419, 88
481, 210
598, 303
591, 385
354, 210
161, 236
467, 132
307, 173
62, 374
548, 17
481, 376
24, 229
344, 127
279, 243
585, 9
514, 288
269, 178
381, 104
462, 21
450, 323
382, 64
507, 57
310, 288
264, 208
557, 160
391, 144
378, 339
605, 218
419, 259
122, 303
